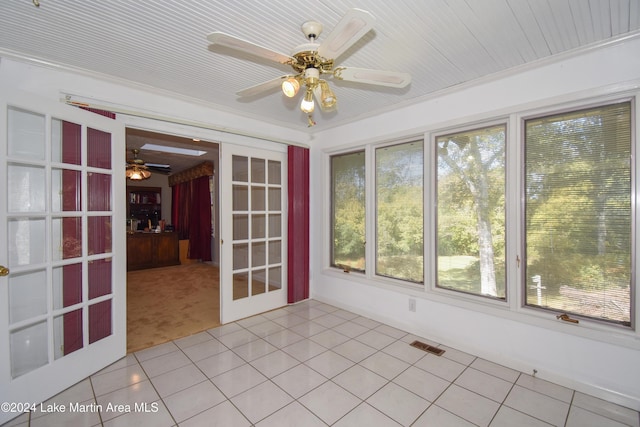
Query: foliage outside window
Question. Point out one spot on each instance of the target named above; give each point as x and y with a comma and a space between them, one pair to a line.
471, 212
578, 212
348, 211
399, 211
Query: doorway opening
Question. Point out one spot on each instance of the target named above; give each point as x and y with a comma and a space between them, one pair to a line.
169, 294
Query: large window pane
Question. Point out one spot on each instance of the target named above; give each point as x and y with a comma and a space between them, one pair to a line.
578, 212
471, 212
399, 207
348, 211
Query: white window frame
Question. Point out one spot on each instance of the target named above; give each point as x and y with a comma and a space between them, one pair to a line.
329, 254
513, 308
433, 208
520, 119
374, 197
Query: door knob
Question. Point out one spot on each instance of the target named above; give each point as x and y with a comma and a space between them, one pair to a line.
4, 271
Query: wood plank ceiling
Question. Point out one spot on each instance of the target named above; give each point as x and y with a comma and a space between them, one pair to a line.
162, 44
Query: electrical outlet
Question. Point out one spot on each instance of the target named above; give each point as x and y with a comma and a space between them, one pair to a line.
412, 304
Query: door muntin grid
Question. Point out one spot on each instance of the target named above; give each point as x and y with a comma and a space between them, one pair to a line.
257, 226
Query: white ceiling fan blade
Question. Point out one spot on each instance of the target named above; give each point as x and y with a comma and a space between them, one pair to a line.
372, 77
353, 25
263, 87
233, 42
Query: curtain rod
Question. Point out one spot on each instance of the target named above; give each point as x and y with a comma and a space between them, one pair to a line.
78, 101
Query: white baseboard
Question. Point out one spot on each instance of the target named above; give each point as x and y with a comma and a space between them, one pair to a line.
497, 357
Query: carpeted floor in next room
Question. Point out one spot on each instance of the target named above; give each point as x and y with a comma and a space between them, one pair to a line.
167, 303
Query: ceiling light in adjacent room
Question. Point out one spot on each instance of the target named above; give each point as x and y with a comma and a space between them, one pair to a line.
137, 173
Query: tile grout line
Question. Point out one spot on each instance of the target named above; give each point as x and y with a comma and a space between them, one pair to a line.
286, 326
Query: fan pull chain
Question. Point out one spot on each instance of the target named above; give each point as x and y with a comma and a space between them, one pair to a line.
311, 121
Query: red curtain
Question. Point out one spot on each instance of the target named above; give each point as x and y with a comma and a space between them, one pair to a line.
298, 224
191, 215
200, 219
108, 114
181, 208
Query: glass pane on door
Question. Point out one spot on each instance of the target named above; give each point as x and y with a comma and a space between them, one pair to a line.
66, 190
27, 295
99, 194
29, 347
240, 285
98, 149
25, 241
26, 134
67, 285
66, 237
66, 140
26, 186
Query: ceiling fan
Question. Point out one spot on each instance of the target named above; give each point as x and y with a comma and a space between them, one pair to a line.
310, 61
138, 169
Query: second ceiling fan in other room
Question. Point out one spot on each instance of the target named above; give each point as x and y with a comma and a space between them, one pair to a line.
312, 61
137, 169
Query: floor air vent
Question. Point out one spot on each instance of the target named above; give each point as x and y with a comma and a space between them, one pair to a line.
428, 348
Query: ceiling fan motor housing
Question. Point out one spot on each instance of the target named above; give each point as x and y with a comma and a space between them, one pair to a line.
306, 56
311, 30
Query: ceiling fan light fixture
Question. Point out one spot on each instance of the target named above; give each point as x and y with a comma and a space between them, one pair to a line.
136, 169
307, 105
290, 87
327, 97
136, 173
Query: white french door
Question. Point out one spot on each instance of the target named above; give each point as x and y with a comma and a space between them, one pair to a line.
62, 246
254, 226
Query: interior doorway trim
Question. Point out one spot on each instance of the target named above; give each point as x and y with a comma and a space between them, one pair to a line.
79, 101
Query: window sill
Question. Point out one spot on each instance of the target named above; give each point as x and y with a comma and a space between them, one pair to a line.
611, 334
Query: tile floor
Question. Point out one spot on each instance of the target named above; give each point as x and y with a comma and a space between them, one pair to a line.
312, 364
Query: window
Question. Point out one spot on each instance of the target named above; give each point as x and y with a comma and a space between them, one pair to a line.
399, 206
471, 212
348, 211
571, 221
578, 214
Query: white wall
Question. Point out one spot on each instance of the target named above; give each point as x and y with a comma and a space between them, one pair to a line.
50, 82
601, 363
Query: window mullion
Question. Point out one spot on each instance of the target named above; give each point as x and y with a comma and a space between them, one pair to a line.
370, 216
